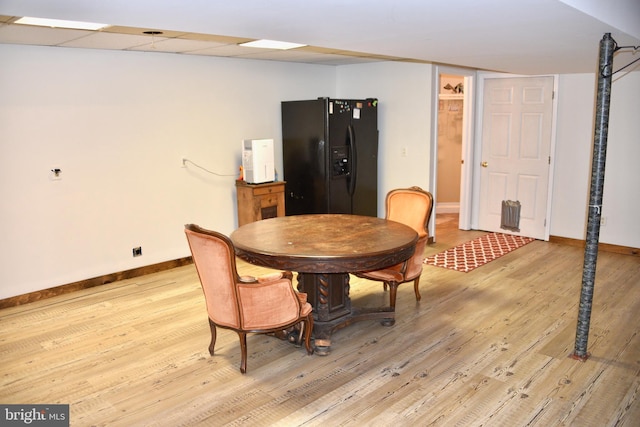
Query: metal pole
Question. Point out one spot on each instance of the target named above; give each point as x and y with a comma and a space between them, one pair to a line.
607, 48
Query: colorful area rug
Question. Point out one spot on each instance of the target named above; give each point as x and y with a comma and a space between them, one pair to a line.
477, 252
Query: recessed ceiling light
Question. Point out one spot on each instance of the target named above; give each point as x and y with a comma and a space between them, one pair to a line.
57, 23
272, 44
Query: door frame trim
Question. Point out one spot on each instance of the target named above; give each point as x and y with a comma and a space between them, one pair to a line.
477, 151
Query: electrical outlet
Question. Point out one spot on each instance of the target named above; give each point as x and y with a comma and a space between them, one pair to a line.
403, 152
55, 174
603, 221
137, 251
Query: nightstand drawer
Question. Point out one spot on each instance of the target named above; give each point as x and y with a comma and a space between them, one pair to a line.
268, 190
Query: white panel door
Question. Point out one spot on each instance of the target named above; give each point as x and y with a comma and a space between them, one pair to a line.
516, 152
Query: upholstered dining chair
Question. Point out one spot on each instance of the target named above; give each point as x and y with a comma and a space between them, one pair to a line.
244, 304
412, 207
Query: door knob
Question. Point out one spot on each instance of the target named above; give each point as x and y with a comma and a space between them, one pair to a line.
484, 164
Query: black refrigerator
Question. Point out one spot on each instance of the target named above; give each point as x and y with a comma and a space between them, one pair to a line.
330, 155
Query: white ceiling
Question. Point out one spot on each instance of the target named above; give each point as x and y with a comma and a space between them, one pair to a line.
516, 36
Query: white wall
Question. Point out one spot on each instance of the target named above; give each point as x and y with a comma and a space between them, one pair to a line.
118, 123
404, 91
574, 137
621, 199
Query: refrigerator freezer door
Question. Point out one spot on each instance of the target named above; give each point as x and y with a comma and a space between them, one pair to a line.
304, 153
339, 118
365, 128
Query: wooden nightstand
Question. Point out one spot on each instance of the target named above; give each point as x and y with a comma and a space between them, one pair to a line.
259, 201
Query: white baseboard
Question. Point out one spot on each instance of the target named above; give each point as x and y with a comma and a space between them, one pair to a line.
451, 207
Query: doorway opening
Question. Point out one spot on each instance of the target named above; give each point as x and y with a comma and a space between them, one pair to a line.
450, 114
452, 148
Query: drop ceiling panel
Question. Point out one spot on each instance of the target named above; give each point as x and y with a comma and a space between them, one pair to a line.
102, 40
44, 36
229, 50
308, 57
521, 37
175, 45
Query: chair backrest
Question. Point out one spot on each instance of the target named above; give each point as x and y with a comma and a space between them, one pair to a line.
410, 206
214, 258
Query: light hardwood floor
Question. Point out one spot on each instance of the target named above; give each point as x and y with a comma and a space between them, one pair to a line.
490, 347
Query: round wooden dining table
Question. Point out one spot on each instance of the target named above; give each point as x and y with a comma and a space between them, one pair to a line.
323, 249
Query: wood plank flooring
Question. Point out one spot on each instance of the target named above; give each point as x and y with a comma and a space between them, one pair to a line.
485, 348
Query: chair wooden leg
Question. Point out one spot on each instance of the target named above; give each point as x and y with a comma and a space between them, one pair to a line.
243, 350
300, 333
309, 330
416, 284
212, 345
393, 291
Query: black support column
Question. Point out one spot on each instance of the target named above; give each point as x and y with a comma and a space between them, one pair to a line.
607, 49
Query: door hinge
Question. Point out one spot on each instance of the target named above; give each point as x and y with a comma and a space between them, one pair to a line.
553, 94
549, 159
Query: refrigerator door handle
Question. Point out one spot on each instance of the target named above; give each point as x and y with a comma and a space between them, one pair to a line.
353, 161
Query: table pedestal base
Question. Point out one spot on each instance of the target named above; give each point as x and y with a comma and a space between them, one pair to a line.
328, 294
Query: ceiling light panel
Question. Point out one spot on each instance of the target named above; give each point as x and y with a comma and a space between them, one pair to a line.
272, 44
57, 23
